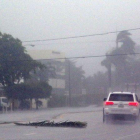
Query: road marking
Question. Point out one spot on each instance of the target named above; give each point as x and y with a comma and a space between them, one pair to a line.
30, 134
127, 136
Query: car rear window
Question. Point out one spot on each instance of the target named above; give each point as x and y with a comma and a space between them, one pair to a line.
121, 97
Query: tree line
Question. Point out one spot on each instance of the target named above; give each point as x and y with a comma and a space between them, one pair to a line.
16, 68
123, 70
23, 78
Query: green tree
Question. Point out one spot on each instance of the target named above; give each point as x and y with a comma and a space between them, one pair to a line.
15, 63
96, 87
43, 74
120, 62
23, 91
127, 43
74, 77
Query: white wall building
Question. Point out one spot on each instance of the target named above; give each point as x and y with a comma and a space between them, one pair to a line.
57, 61
56, 58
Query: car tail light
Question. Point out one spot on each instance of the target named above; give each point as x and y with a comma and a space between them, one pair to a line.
109, 103
133, 103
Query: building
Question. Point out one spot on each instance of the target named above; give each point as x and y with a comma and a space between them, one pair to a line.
56, 60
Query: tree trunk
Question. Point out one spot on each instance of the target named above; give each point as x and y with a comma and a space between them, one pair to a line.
109, 78
36, 101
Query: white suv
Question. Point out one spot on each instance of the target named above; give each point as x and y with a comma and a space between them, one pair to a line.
121, 104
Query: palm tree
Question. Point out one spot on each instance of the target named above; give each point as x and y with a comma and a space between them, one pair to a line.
127, 43
121, 62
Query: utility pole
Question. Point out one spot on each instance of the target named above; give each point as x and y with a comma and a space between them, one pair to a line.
116, 38
69, 83
110, 78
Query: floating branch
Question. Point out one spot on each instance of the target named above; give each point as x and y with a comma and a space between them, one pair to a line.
76, 124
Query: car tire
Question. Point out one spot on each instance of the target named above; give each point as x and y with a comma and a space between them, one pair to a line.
138, 118
103, 116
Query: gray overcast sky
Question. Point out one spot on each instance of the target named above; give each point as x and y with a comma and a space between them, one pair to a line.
45, 19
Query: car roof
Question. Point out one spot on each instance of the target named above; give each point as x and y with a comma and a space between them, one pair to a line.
119, 92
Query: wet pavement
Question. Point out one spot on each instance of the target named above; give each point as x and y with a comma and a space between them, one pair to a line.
95, 130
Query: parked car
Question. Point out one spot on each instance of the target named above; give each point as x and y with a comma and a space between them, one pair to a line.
121, 104
4, 102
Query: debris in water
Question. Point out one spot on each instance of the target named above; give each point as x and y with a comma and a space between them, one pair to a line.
76, 124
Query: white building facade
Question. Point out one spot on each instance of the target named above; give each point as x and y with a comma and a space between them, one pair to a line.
57, 60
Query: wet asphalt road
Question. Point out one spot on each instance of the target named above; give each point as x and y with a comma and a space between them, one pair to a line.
95, 130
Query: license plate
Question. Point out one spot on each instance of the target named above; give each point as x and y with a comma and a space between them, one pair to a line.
120, 110
121, 105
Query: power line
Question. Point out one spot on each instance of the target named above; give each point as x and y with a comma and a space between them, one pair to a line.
82, 36
87, 42
92, 56
79, 42
76, 57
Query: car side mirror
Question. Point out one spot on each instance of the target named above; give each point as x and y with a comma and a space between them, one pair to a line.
105, 99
